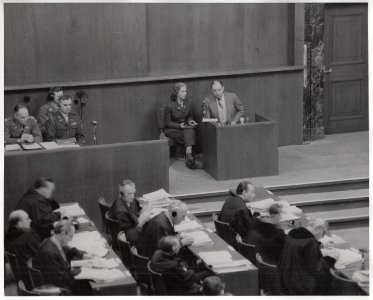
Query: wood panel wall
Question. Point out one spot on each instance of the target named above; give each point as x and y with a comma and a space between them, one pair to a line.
126, 57
85, 174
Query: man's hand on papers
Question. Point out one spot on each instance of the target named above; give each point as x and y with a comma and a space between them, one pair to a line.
186, 241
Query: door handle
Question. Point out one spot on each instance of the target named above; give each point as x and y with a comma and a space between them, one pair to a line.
328, 70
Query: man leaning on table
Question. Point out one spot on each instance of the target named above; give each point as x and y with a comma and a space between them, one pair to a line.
64, 124
21, 127
224, 106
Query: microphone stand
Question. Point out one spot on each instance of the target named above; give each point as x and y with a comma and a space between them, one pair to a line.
94, 123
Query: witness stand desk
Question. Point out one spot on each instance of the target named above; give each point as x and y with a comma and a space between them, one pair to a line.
126, 286
261, 194
86, 173
241, 150
237, 282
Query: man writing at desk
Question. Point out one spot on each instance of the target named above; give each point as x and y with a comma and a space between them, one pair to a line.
226, 107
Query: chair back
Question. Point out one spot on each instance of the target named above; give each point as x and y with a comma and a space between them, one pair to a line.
36, 277
22, 291
157, 281
269, 277
160, 117
104, 207
126, 253
343, 286
141, 267
248, 251
224, 231
14, 265
113, 226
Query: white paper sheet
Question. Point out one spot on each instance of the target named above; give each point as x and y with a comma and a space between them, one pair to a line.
188, 226
91, 242
13, 147
261, 205
100, 275
200, 237
215, 257
71, 210
99, 263
33, 146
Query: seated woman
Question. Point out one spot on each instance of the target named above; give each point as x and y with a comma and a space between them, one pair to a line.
179, 123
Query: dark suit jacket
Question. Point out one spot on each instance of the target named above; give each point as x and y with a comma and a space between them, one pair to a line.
152, 232
40, 211
24, 244
235, 109
54, 268
174, 114
302, 267
268, 240
127, 217
239, 217
179, 279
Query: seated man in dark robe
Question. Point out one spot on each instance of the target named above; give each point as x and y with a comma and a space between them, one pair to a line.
235, 212
267, 237
162, 225
302, 267
127, 210
39, 204
21, 241
178, 277
54, 256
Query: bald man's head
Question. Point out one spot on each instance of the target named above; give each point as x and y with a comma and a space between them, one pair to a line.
19, 219
170, 245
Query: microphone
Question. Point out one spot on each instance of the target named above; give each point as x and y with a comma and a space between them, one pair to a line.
94, 123
204, 108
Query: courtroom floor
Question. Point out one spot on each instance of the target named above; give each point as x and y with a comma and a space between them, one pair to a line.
336, 157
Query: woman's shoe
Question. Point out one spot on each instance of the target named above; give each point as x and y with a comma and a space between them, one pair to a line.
190, 162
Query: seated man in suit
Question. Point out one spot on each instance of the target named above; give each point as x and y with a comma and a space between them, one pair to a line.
64, 124
54, 256
302, 267
178, 277
21, 241
21, 127
235, 212
267, 237
39, 204
162, 225
127, 210
226, 107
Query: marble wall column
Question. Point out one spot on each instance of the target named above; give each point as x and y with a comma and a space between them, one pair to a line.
313, 96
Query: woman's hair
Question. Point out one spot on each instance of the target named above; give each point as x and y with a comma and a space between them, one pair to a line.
176, 89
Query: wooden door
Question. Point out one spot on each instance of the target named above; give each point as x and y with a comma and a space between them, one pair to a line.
346, 68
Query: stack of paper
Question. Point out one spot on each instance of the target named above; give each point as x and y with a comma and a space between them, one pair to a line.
54, 145
188, 226
82, 220
100, 275
348, 256
222, 262
158, 198
13, 147
200, 238
336, 239
91, 242
362, 278
71, 210
95, 263
33, 146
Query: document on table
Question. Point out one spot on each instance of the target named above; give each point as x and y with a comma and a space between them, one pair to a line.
336, 239
54, 145
188, 226
100, 275
222, 262
215, 257
209, 120
159, 198
292, 209
82, 220
91, 242
13, 147
71, 210
200, 238
347, 256
100, 263
32, 146
262, 204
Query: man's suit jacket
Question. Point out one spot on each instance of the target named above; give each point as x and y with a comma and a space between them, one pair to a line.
234, 108
127, 218
239, 217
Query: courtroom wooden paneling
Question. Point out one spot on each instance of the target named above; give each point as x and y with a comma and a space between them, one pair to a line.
68, 42
197, 37
126, 112
84, 174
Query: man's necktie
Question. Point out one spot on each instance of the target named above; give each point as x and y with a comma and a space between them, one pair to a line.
220, 104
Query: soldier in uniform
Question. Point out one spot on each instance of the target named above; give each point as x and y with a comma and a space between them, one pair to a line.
49, 108
21, 127
64, 124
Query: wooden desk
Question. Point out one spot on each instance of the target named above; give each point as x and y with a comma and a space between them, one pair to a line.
242, 150
126, 286
84, 174
238, 283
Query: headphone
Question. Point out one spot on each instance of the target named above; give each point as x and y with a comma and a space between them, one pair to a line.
174, 213
121, 193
